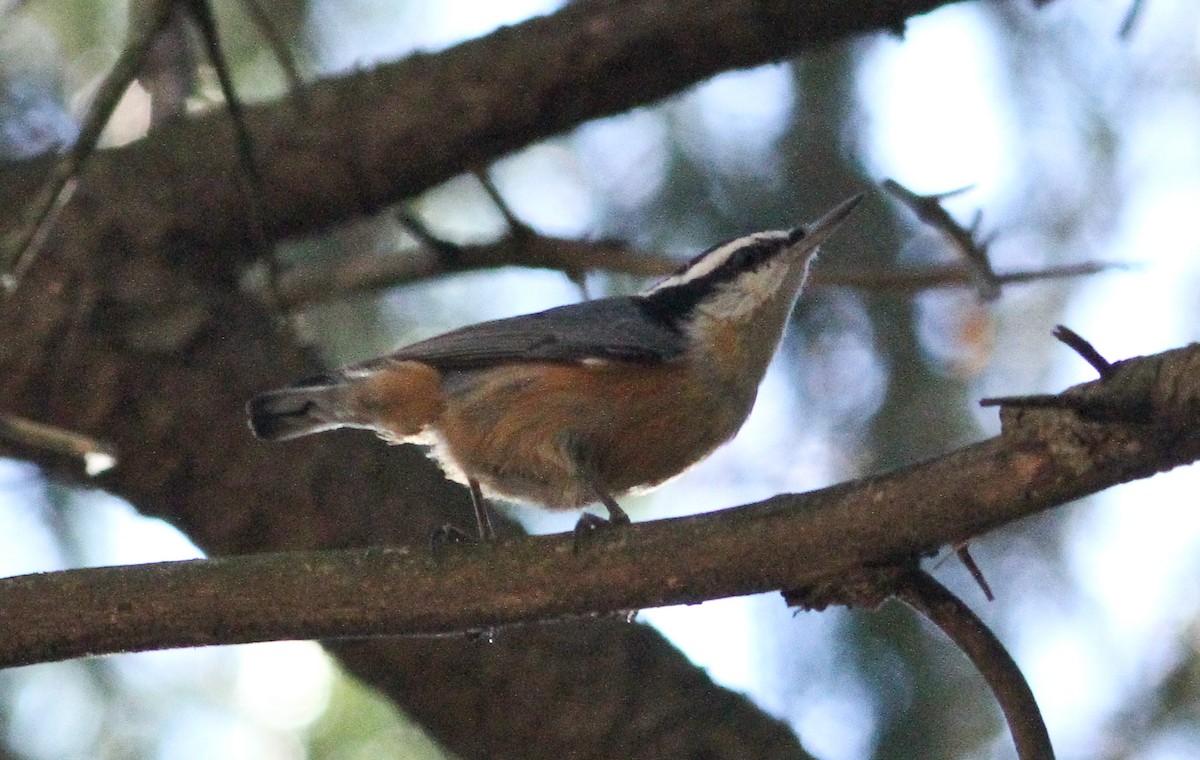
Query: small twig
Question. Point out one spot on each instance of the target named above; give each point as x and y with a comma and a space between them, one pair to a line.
929, 209
308, 284
279, 48
522, 232
964, 556
97, 456
251, 180
1132, 15
517, 226
924, 594
1095, 407
202, 15
448, 254
949, 276
1085, 349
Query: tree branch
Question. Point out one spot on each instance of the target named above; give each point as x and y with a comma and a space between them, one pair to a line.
923, 593
373, 138
1043, 459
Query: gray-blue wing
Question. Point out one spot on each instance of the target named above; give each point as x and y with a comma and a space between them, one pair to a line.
608, 328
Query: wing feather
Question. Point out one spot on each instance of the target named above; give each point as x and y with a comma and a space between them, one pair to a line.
609, 328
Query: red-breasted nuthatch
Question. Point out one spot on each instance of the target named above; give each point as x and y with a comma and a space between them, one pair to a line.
584, 402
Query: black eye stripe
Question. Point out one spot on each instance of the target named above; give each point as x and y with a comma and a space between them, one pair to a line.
758, 249
744, 258
674, 304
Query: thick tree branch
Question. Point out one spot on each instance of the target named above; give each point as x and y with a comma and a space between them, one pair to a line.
1043, 459
372, 138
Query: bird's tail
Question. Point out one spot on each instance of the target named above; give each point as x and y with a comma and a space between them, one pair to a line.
308, 407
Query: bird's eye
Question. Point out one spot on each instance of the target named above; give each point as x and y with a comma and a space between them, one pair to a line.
747, 257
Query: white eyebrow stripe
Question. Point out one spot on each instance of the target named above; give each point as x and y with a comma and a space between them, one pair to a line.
715, 258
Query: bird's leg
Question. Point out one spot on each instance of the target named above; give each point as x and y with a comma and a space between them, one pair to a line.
589, 522
483, 520
616, 515
450, 534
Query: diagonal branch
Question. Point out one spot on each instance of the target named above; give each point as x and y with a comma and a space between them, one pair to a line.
1043, 459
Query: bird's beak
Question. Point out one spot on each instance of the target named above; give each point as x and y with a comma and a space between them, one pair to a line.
812, 235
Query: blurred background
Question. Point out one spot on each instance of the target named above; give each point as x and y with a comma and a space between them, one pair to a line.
1076, 143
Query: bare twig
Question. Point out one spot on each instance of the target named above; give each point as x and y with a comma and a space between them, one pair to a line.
515, 224
826, 537
1115, 407
202, 16
950, 276
929, 209
250, 179
923, 593
522, 232
1085, 349
1132, 15
963, 553
97, 456
448, 254
279, 48
1036, 401
1114, 403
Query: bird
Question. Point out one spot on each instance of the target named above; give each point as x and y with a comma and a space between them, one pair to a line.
581, 403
